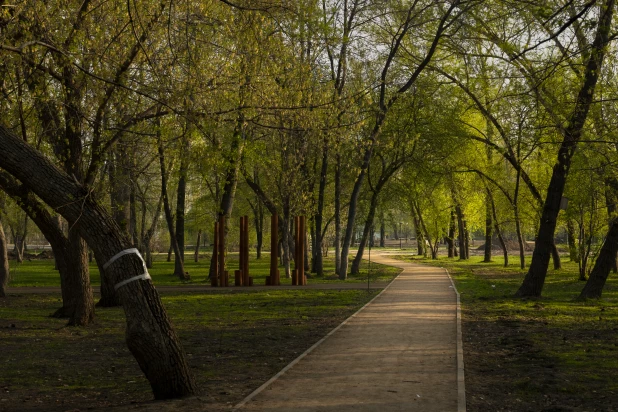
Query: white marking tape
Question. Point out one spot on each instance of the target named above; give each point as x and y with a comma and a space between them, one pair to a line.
143, 276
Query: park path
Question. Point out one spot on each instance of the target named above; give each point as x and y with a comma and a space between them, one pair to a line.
399, 353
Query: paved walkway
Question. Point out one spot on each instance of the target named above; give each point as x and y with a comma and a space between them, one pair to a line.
398, 353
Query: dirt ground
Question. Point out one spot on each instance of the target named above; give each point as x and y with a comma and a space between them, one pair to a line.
508, 368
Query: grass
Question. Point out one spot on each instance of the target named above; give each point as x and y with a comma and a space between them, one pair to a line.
551, 352
234, 342
41, 273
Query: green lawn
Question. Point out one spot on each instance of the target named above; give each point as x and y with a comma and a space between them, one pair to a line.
234, 343
551, 352
41, 273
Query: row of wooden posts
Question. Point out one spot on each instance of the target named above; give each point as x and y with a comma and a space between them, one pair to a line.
241, 276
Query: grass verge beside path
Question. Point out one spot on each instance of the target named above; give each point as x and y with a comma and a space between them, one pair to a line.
41, 273
547, 354
235, 342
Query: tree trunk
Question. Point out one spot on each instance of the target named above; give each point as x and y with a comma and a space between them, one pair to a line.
196, 254
461, 233
603, 265
420, 238
450, 240
178, 253
573, 255
4, 263
318, 262
259, 228
150, 336
488, 228
179, 269
535, 278
382, 231
338, 216
366, 231
77, 299
505, 250
79, 307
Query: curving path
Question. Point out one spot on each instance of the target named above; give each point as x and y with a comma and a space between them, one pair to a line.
401, 352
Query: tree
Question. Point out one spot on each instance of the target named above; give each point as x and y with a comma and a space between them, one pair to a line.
150, 336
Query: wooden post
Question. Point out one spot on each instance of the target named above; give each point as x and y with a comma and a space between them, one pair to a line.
221, 248
274, 245
237, 278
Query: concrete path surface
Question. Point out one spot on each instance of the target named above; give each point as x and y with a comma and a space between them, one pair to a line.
398, 353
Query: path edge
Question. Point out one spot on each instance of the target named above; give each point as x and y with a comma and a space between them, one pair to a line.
461, 383
312, 348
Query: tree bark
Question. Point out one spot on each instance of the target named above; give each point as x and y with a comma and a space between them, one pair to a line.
382, 231
150, 336
535, 278
179, 269
196, 254
338, 215
4, 263
505, 250
77, 298
489, 225
461, 233
573, 255
178, 261
450, 240
318, 262
603, 265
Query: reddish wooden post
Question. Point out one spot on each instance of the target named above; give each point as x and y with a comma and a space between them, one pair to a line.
221, 265
245, 268
274, 243
237, 278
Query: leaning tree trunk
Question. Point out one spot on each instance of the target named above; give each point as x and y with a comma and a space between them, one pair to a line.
77, 299
366, 231
149, 334
603, 265
4, 263
535, 278
488, 227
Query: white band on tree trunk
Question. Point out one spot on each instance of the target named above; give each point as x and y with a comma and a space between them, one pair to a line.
143, 276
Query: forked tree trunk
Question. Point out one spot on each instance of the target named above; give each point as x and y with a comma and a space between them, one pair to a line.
535, 278
4, 263
150, 336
